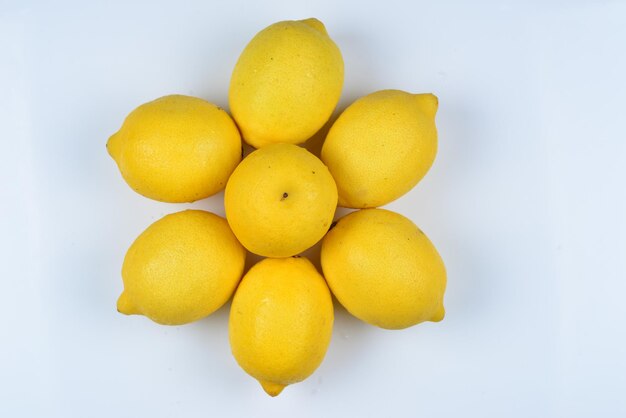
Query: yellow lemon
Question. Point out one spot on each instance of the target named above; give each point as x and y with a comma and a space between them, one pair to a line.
176, 149
286, 83
384, 270
281, 321
381, 146
181, 268
280, 200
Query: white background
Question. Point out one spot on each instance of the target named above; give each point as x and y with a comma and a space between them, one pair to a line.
526, 203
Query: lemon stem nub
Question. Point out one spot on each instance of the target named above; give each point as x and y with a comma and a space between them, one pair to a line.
439, 314
113, 145
125, 306
315, 24
272, 389
428, 102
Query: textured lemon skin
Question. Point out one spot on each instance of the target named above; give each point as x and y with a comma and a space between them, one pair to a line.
281, 322
384, 270
286, 83
280, 200
176, 149
181, 268
381, 146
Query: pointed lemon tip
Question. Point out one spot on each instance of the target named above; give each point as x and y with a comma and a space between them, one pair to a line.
125, 306
428, 102
272, 389
440, 313
113, 145
315, 24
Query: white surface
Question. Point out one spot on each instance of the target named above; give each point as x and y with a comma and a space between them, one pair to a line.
526, 203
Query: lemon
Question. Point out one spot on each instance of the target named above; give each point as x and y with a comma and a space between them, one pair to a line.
286, 83
381, 146
181, 268
176, 149
384, 270
280, 200
281, 322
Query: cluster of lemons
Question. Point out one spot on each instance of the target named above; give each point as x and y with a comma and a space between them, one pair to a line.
281, 200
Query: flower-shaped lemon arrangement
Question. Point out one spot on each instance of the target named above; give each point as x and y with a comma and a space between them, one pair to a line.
280, 201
